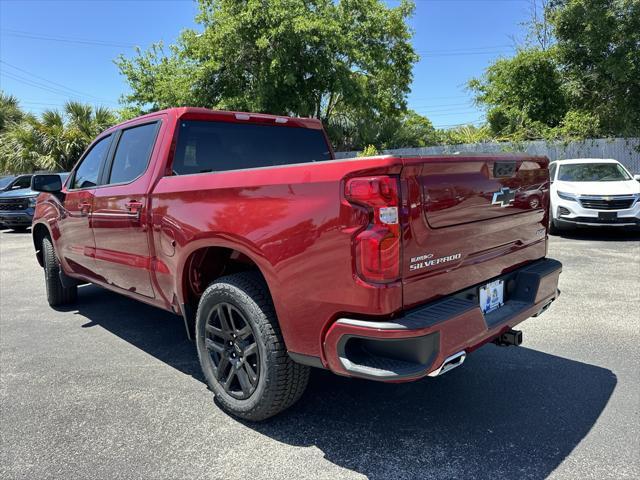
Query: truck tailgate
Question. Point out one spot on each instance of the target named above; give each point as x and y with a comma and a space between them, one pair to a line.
468, 219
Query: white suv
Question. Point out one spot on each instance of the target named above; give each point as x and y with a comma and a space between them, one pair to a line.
593, 192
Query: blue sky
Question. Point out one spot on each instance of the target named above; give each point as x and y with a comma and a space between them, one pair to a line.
53, 50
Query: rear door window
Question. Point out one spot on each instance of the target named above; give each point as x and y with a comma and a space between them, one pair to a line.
205, 146
133, 153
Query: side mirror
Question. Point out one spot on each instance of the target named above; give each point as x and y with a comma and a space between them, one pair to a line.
49, 183
636, 177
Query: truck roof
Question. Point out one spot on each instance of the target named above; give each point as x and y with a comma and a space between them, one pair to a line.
199, 113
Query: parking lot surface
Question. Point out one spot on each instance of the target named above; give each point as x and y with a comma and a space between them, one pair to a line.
111, 389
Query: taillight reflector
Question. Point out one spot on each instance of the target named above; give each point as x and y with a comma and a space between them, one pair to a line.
377, 246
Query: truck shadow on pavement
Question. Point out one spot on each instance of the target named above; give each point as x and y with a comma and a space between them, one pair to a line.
506, 413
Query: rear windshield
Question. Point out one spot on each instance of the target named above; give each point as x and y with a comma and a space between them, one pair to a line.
592, 172
205, 146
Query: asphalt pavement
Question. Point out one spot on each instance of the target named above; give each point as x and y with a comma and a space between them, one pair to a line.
111, 389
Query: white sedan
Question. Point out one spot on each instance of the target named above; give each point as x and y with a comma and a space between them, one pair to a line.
593, 192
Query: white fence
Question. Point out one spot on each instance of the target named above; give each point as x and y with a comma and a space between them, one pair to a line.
625, 150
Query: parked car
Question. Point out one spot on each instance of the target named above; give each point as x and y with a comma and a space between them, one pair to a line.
280, 257
17, 203
5, 181
15, 182
593, 192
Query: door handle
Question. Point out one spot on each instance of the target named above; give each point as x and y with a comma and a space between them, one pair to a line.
135, 208
84, 208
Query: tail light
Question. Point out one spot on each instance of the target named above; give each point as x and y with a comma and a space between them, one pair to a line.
377, 246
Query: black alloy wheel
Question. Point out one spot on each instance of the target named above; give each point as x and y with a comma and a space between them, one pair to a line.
233, 350
241, 349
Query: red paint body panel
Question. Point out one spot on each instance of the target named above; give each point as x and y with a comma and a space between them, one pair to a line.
295, 224
448, 211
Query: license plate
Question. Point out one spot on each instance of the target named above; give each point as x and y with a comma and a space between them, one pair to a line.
609, 216
492, 296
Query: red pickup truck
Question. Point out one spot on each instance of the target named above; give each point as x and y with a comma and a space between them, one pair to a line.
280, 257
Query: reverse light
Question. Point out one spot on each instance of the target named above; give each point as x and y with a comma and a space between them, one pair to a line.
568, 196
377, 246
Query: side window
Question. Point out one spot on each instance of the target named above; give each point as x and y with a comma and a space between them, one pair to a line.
552, 172
133, 152
86, 175
22, 182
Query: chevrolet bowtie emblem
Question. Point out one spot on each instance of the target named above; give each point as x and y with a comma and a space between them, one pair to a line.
504, 197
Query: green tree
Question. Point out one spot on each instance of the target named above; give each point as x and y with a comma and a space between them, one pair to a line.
464, 134
368, 151
10, 111
523, 95
598, 47
410, 130
348, 63
54, 141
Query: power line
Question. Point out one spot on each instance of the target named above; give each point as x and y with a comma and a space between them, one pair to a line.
448, 114
63, 87
465, 104
46, 84
471, 49
439, 98
461, 54
56, 38
41, 86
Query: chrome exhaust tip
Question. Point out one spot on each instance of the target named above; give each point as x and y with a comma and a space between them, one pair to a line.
450, 363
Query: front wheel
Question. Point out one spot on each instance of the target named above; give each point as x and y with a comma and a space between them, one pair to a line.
57, 293
241, 349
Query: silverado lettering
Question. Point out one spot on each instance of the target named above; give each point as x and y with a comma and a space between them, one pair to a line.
436, 261
279, 257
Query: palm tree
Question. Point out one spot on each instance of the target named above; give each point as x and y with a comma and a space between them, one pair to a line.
10, 111
65, 135
55, 141
19, 147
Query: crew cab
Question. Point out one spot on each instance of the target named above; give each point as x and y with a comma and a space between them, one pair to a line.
279, 257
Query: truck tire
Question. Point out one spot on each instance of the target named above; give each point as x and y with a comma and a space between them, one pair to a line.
241, 349
57, 294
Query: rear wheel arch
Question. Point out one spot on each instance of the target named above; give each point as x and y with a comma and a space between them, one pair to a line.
204, 265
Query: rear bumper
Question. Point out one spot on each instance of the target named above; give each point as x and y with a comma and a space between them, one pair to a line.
425, 340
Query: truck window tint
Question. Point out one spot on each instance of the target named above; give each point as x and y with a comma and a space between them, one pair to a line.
218, 146
22, 182
86, 175
133, 152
